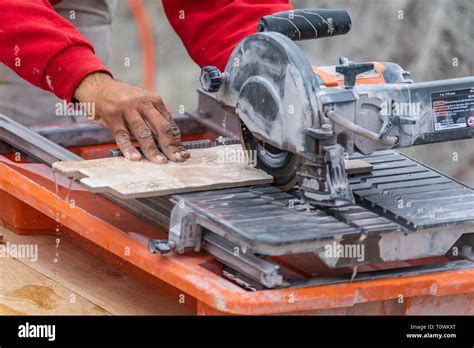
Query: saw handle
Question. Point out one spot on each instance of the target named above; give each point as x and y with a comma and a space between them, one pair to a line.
305, 24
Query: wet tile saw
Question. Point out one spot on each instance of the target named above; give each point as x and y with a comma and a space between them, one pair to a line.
322, 222
303, 122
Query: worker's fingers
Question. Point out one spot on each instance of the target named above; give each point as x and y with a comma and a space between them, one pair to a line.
158, 103
168, 134
144, 136
122, 137
172, 146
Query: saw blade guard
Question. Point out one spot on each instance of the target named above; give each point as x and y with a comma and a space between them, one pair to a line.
273, 88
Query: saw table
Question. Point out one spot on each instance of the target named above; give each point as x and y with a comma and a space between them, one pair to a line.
220, 283
402, 213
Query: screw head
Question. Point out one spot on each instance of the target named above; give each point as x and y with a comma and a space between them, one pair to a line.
326, 127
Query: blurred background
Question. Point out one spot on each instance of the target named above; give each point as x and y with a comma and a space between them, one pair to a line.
433, 39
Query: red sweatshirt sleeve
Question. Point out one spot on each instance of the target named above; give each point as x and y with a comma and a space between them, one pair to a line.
44, 48
211, 29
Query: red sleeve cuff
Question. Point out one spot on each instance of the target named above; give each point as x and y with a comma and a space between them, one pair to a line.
69, 68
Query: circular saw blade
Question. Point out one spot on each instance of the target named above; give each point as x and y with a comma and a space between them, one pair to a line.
280, 164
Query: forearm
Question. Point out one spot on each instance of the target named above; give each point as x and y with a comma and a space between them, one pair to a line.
210, 29
44, 48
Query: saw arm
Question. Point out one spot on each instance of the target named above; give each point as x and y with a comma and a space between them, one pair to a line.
303, 127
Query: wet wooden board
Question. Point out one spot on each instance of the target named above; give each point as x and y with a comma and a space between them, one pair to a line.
64, 272
24, 291
207, 169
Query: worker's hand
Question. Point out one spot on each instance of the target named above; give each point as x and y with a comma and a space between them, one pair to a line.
131, 111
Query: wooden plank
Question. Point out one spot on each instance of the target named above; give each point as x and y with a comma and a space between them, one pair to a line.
26, 291
207, 169
92, 279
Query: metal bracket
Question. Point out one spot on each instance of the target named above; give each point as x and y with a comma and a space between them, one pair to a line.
389, 121
326, 183
256, 268
190, 230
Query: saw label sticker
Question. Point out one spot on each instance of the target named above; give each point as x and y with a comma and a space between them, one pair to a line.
453, 109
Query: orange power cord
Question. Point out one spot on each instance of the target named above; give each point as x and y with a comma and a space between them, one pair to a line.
147, 44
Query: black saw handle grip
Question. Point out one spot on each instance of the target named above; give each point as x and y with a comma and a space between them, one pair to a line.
305, 24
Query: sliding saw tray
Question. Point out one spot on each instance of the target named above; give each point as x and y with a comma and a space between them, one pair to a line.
404, 211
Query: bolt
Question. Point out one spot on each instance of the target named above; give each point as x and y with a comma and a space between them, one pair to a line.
326, 128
